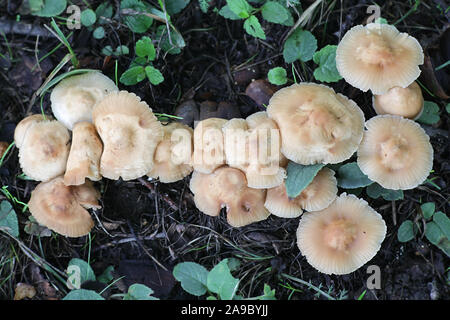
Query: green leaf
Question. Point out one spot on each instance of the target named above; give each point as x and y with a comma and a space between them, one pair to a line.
253, 27
234, 264
138, 23
175, 6
240, 7
447, 107
120, 50
326, 59
99, 33
375, 191
443, 222
83, 294
36, 5
428, 209
139, 291
107, 275
88, 17
79, 271
350, 176
228, 14
193, 277
164, 41
8, 219
406, 231
435, 235
301, 45
133, 75
277, 76
145, 48
204, 5
430, 113
154, 75
50, 8
269, 294
221, 281
274, 12
299, 177
104, 10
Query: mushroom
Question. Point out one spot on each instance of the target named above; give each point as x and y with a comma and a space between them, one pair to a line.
406, 102
43, 147
253, 146
227, 187
395, 152
378, 57
130, 133
84, 156
318, 195
3, 147
208, 145
316, 124
74, 98
61, 208
341, 238
172, 159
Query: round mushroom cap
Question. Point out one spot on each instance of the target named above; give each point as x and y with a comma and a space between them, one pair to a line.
22, 127
172, 159
54, 205
130, 133
74, 98
227, 187
341, 238
84, 156
378, 57
208, 145
406, 102
395, 152
318, 195
316, 124
44, 149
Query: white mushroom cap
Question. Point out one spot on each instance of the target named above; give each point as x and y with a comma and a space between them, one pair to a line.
395, 152
130, 133
378, 57
22, 127
74, 98
341, 238
316, 124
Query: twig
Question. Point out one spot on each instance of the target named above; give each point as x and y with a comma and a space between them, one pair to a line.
14, 27
165, 197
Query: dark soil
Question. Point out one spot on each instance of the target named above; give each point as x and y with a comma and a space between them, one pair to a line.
145, 228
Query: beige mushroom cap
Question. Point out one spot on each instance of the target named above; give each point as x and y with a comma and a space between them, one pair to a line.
318, 195
341, 238
84, 156
22, 127
227, 187
395, 152
172, 159
74, 98
44, 149
130, 133
54, 205
316, 124
208, 145
378, 57
406, 102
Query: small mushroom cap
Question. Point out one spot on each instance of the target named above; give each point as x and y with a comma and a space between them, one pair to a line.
341, 238
74, 98
378, 57
84, 156
406, 102
44, 150
318, 195
130, 133
227, 187
172, 160
87, 196
395, 152
316, 124
208, 145
22, 127
54, 205
3, 147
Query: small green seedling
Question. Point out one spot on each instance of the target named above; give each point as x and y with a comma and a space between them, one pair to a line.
277, 76
326, 59
430, 113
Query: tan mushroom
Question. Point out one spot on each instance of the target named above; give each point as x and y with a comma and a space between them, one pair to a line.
59, 208
130, 133
84, 156
316, 124
74, 98
22, 127
43, 147
172, 159
378, 57
395, 152
227, 188
3, 147
406, 102
341, 238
